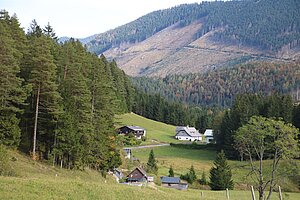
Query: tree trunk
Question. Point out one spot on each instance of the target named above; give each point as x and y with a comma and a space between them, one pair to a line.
35, 122
261, 180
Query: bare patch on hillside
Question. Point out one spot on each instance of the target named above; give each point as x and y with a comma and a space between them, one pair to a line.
174, 50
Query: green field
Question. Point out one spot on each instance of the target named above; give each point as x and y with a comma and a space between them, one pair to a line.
156, 132
180, 159
37, 180
202, 160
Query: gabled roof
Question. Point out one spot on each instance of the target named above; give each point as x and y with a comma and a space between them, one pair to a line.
139, 169
136, 128
191, 131
166, 179
208, 133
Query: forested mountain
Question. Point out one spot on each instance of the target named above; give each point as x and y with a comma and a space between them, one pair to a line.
203, 35
219, 87
58, 100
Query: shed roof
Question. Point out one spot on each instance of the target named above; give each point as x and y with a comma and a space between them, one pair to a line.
166, 179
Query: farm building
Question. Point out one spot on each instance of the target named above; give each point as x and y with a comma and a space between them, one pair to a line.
209, 135
137, 131
173, 182
138, 175
187, 133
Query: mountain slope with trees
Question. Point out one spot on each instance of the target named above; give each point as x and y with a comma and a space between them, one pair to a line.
58, 100
221, 32
219, 87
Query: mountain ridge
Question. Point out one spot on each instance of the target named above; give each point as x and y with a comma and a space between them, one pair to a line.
215, 34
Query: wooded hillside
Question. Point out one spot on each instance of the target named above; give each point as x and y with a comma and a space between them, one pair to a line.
58, 100
267, 24
219, 87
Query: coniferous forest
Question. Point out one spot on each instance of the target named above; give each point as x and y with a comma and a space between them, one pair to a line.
242, 22
57, 100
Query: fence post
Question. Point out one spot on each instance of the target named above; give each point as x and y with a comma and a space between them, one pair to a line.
227, 193
252, 192
280, 194
201, 193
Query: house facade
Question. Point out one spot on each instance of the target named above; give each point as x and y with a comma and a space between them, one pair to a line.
187, 133
137, 175
209, 135
137, 131
173, 182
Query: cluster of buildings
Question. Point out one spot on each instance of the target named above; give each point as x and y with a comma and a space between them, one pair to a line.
139, 176
191, 134
182, 133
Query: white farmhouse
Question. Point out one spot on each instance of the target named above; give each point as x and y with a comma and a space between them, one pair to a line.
209, 135
187, 133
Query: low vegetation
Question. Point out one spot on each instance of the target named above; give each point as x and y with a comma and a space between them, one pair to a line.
37, 180
156, 132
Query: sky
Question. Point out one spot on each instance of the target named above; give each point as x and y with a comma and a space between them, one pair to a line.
80, 19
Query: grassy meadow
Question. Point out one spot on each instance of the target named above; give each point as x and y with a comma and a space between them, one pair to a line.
156, 132
202, 160
38, 180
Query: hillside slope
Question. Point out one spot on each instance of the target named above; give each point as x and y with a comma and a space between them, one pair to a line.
156, 132
196, 37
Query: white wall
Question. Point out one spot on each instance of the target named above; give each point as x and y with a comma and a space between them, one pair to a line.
188, 138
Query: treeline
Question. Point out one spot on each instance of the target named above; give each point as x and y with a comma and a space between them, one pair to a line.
146, 26
219, 87
242, 22
57, 100
268, 24
244, 107
157, 108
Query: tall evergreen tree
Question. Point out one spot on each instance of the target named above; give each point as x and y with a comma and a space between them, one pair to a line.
152, 163
45, 96
12, 91
220, 174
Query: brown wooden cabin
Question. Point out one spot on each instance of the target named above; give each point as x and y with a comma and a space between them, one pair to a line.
137, 131
137, 175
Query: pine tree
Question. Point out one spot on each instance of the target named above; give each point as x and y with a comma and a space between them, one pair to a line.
151, 164
203, 180
171, 172
12, 93
45, 96
49, 31
220, 174
191, 175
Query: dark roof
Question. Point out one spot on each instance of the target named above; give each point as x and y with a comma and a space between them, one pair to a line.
139, 169
136, 128
166, 179
142, 171
191, 131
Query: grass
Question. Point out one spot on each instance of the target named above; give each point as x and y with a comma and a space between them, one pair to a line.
181, 160
39, 180
156, 132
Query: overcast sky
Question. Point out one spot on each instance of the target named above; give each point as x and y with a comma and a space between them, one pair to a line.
82, 18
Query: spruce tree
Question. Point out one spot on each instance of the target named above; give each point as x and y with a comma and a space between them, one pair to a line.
191, 175
220, 174
151, 164
171, 172
12, 93
45, 96
203, 180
